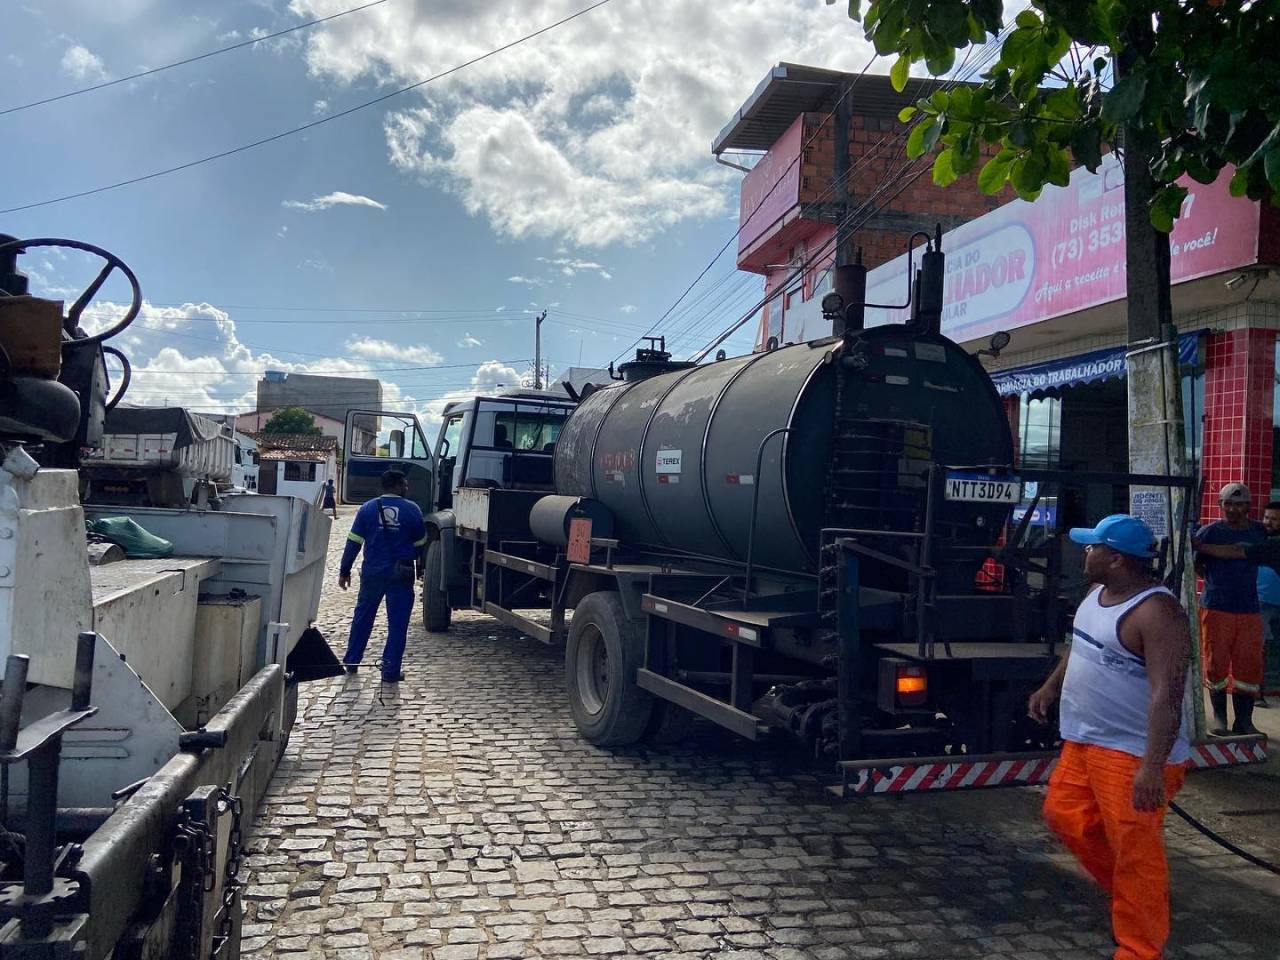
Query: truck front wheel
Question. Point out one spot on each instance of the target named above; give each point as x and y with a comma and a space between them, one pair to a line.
602, 653
435, 602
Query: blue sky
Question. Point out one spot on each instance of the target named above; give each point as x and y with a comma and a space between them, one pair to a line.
571, 173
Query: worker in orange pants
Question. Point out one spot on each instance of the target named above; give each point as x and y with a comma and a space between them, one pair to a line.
1090, 807
1125, 732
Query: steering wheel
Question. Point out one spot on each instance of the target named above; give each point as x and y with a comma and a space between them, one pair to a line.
112, 262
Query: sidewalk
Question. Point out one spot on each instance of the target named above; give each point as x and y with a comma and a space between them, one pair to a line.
1242, 803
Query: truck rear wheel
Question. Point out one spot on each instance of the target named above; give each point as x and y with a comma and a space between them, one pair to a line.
602, 653
435, 602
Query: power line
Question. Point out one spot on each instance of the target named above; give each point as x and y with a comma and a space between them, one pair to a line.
482, 316
988, 51
181, 63
306, 126
747, 219
333, 372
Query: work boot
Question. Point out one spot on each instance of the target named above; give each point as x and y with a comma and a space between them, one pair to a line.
1242, 704
1218, 701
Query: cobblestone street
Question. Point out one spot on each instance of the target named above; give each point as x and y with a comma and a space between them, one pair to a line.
459, 816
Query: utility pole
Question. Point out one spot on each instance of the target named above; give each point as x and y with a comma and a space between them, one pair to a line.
849, 276
1157, 425
537, 350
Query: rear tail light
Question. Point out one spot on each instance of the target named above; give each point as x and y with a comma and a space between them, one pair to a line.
912, 686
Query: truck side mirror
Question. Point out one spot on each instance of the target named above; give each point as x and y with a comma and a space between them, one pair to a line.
396, 444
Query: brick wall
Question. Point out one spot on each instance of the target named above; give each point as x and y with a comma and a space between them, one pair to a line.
1239, 393
877, 154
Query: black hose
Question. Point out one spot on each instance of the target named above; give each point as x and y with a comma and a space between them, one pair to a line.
126, 375
1223, 841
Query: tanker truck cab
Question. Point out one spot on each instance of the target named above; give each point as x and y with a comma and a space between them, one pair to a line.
491, 461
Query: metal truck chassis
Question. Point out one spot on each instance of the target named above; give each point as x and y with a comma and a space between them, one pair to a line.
679, 598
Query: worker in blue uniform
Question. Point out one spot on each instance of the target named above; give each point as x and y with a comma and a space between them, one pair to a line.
391, 531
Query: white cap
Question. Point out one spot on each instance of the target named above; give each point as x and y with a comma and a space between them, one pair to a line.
1234, 493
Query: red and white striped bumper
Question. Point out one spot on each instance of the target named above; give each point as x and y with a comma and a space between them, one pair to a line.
919, 774
936, 773
1228, 751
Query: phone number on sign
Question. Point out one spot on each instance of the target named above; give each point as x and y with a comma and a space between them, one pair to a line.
1075, 248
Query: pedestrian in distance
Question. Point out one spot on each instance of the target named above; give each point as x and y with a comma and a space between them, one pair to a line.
1125, 731
1230, 622
391, 532
1267, 556
330, 498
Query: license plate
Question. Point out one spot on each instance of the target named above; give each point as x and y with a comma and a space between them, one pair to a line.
979, 488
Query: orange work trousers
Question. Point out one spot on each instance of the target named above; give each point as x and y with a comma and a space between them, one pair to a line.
1090, 806
1231, 650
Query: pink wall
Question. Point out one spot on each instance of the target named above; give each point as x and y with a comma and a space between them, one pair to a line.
771, 188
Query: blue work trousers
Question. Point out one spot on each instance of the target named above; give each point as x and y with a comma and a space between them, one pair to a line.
399, 599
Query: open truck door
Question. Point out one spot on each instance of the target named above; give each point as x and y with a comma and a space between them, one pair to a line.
377, 441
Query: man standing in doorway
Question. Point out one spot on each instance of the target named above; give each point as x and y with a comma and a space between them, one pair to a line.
1230, 624
391, 531
1123, 685
1267, 556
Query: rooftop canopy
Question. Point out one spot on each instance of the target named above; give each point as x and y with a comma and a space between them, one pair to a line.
790, 89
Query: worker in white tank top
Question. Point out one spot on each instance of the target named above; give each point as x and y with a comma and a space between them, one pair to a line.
1123, 686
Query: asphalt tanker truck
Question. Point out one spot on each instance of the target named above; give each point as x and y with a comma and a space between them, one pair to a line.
814, 540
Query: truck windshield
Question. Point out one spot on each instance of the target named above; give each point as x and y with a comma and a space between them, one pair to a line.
527, 430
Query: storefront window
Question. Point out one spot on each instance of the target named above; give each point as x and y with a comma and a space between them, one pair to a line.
1040, 419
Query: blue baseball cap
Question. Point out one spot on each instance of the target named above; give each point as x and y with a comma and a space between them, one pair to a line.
1121, 532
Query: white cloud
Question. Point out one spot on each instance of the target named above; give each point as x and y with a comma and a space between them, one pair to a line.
82, 64
594, 133
531, 281
490, 377
627, 308
192, 356
495, 373
320, 107
335, 199
468, 341
373, 349
570, 266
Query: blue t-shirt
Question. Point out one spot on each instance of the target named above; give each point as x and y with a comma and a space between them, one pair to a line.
1269, 586
398, 535
1230, 586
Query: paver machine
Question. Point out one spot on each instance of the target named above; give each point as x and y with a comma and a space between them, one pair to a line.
145, 702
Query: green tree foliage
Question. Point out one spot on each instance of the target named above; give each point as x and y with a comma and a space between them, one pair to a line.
292, 420
1198, 87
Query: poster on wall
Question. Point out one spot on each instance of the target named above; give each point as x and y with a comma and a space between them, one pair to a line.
1027, 262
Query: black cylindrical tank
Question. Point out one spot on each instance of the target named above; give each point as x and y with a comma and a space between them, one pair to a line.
674, 456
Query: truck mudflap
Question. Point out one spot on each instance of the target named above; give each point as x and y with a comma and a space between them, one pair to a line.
982, 771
